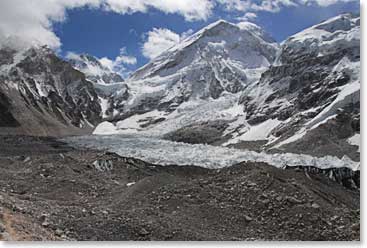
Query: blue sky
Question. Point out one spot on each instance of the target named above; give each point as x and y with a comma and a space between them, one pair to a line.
128, 33
103, 33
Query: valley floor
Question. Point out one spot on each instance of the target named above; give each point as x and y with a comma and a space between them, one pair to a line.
50, 191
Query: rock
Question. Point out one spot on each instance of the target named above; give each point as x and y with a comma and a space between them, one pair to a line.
143, 232
293, 200
45, 223
130, 184
355, 227
251, 184
248, 218
59, 232
2, 227
263, 199
315, 205
103, 165
27, 159
279, 198
5, 236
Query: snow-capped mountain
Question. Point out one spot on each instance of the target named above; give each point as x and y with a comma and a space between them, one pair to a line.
311, 93
110, 87
205, 72
231, 84
94, 70
222, 57
44, 95
228, 84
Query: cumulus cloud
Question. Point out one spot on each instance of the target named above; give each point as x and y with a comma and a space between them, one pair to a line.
252, 5
159, 40
272, 5
117, 65
190, 9
249, 16
29, 22
325, 3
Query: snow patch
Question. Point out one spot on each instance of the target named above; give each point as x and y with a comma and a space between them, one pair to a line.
355, 140
105, 128
104, 106
258, 132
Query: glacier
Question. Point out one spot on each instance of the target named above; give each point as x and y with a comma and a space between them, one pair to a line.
164, 152
280, 95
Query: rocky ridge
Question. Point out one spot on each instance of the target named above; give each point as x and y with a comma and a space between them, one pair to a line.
44, 95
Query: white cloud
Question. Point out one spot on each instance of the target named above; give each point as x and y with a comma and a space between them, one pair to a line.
252, 5
118, 64
123, 58
272, 5
249, 16
29, 22
325, 3
190, 9
186, 34
159, 40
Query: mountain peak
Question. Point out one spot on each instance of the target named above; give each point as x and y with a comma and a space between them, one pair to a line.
94, 69
219, 22
247, 44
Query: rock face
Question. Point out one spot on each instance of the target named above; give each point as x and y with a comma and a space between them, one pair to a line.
110, 87
314, 82
44, 95
344, 176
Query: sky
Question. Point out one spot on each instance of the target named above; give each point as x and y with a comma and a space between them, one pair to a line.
126, 34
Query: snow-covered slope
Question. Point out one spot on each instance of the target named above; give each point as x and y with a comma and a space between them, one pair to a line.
110, 86
94, 70
337, 33
199, 79
313, 87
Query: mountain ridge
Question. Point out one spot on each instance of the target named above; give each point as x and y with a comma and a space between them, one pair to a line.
228, 81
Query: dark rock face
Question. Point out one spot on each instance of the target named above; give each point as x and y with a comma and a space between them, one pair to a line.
305, 83
6, 56
329, 138
109, 86
44, 83
6, 117
344, 176
200, 133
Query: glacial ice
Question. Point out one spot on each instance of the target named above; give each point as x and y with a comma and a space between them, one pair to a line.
165, 152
